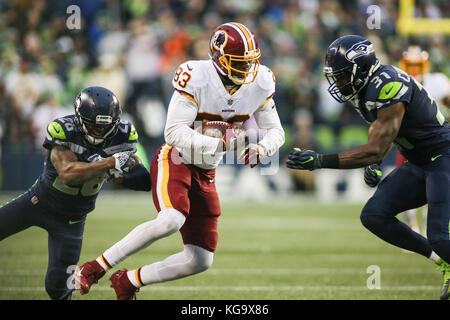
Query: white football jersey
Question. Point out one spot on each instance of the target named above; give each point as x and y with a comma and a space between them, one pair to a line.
437, 84
199, 82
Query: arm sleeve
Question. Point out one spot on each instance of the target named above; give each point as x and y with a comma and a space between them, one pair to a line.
137, 178
178, 133
268, 121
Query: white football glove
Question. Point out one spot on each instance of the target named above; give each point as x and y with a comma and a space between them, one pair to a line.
95, 157
252, 154
235, 139
122, 159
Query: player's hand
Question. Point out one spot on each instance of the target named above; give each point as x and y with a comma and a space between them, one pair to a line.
372, 175
121, 159
303, 159
234, 139
252, 154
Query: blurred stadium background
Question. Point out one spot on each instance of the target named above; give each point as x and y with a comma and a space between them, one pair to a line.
133, 48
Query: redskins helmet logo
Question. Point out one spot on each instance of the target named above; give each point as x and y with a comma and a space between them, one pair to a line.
219, 40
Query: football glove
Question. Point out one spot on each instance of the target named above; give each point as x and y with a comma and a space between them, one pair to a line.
95, 157
234, 139
303, 159
372, 175
252, 154
122, 159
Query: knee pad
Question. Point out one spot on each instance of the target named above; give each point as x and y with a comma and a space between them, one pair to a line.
200, 259
171, 220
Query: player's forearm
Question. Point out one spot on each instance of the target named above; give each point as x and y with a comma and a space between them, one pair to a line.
76, 172
273, 140
181, 114
268, 120
361, 156
182, 136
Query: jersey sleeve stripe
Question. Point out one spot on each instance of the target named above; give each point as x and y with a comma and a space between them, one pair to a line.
187, 95
267, 100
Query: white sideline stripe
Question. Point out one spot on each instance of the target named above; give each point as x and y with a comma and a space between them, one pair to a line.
250, 288
277, 271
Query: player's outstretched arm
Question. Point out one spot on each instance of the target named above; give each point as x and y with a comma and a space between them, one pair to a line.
136, 177
74, 172
382, 133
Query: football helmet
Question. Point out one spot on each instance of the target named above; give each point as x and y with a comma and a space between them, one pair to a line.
350, 62
415, 61
97, 114
235, 53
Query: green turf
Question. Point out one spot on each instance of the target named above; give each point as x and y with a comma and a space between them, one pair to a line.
293, 250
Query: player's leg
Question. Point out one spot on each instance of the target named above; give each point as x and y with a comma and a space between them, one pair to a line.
171, 181
64, 247
438, 224
438, 195
16, 215
193, 259
199, 234
170, 195
402, 189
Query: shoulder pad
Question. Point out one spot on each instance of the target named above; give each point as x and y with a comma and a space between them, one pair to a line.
190, 76
389, 85
266, 79
61, 128
55, 129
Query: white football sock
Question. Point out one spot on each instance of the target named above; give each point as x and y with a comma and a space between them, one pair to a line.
433, 256
192, 260
166, 223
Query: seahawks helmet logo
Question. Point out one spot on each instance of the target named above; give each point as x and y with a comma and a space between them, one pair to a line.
359, 49
219, 40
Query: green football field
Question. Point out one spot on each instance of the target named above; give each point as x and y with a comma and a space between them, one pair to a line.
289, 250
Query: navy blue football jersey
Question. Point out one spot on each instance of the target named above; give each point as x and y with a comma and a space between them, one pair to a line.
424, 131
75, 201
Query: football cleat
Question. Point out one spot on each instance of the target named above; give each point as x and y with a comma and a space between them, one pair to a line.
123, 287
445, 268
86, 275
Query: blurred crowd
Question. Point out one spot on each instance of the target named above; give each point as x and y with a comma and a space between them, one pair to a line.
133, 48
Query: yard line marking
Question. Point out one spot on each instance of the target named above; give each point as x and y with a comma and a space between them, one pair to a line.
268, 271
248, 288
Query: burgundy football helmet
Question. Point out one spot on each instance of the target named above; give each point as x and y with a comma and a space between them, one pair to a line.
235, 53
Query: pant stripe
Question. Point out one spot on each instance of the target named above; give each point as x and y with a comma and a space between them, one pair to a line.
163, 178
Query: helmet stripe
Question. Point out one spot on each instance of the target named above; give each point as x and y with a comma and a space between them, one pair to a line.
247, 35
241, 33
251, 37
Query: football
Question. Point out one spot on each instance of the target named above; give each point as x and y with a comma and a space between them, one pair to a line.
227, 131
216, 129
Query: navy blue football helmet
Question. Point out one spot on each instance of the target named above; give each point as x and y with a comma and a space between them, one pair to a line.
97, 114
350, 62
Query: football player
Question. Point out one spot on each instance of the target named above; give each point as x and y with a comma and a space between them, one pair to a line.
401, 111
231, 86
84, 150
415, 62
